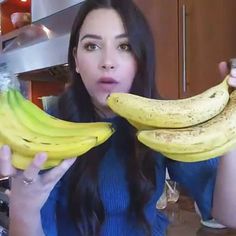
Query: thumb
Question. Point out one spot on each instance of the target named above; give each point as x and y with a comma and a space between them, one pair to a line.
232, 78
6, 168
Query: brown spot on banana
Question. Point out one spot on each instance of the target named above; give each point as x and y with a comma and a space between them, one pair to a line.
199, 138
171, 113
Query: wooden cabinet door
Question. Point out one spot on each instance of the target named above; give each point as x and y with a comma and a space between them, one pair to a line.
210, 37
163, 18
192, 37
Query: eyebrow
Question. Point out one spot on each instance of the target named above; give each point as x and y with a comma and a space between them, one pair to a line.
94, 36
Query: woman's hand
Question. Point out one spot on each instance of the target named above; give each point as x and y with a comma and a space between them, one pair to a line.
29, 190
224, 204
28, 186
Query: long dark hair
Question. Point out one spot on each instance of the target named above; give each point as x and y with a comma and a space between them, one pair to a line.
75, 105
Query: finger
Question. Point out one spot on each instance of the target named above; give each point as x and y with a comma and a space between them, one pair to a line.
6, 168
233, 72
223, 68
36, 165
56, 173
232, 81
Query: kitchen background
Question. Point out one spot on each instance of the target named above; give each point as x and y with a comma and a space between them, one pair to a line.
192, 37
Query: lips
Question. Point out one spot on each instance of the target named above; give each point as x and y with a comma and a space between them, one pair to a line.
108, 80
107, 83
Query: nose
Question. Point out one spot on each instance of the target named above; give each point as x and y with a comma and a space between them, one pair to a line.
108, 66
108, 61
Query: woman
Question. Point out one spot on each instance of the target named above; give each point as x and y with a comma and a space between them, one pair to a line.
113, 189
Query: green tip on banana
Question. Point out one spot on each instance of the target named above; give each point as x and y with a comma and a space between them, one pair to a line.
28, 130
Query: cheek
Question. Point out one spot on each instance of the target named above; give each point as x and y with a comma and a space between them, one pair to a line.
130, 66
129, 73
85, 64
132, 70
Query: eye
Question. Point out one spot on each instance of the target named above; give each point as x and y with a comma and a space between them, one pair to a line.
125, 47
91, 47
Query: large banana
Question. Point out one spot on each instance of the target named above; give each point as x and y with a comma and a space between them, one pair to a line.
201, 156
171, 113
60, 148
139, 126
42, 123
29, 130
200, 142
25, 141
22, 162
11, 123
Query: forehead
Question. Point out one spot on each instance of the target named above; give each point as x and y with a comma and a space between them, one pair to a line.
102, 22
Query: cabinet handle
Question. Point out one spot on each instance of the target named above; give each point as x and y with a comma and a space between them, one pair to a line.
184, 80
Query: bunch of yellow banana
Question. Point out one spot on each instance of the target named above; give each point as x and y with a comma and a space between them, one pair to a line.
170, 113
27, 130
204, 128
200, 142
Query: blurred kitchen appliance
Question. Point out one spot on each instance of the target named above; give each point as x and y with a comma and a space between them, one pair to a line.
20, 19
39, 51
45, 8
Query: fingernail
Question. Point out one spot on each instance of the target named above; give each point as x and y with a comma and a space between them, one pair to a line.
68, 162
41, 158
232, 81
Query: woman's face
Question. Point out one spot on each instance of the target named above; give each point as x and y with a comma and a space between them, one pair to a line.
103, 57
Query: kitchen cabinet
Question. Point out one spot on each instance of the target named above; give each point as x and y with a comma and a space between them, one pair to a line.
192, 37
35, 90
41, 89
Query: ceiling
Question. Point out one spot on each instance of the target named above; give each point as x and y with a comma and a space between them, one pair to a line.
20, 3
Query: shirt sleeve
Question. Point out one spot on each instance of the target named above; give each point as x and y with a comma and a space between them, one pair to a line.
198, 180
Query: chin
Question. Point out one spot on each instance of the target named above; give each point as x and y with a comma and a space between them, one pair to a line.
103, 100
100, 100
103, 104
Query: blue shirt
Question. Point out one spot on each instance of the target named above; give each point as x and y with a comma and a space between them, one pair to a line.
197, 178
